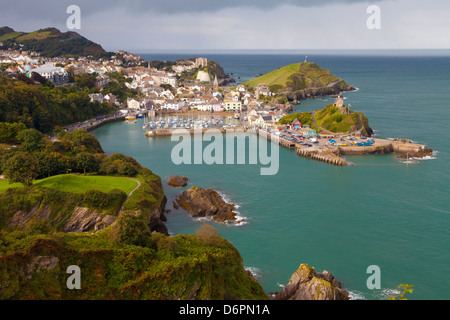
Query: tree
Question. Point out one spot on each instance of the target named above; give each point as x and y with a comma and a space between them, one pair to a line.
31, 139
21, 167
86, 162
208, 234
82, 138
9, 131
86, 80
50, 163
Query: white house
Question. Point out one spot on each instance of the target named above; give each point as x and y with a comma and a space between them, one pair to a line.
133, 104
58, 76
96, 97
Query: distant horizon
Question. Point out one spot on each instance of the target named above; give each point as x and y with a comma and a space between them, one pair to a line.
364, 52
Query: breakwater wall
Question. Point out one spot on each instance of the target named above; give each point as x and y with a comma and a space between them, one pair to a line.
323, 156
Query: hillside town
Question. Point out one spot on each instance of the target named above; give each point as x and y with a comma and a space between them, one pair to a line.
163, 90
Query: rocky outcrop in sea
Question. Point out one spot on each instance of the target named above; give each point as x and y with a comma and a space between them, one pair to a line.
178, 181
306, 284
201, 202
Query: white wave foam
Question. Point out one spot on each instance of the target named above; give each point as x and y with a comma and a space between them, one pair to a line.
256, 272
408, 161
355, 295
240, 220
389, 293
280, 285
426, 158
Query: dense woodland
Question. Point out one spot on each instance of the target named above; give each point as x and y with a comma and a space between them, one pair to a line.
43, 107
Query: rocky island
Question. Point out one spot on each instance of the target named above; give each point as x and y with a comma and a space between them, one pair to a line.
201, 202
178, 181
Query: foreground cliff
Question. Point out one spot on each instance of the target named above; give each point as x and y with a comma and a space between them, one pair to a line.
123, 265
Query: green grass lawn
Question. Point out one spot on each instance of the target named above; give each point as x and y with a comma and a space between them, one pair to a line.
278, 76
79, 183
4, 184
10, 35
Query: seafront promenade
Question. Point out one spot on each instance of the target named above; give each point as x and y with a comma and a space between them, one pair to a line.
94, 123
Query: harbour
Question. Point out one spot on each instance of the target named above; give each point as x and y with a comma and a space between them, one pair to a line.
324, 149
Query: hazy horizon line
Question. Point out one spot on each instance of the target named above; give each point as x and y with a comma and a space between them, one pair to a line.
415, 52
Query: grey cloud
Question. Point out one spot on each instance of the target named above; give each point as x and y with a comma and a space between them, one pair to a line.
51, 10
176, 6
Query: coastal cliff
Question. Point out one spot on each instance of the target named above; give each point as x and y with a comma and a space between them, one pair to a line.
93, 210
183, 267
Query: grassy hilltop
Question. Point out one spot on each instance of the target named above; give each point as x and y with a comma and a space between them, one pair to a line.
50, 42
299, 81
332, 119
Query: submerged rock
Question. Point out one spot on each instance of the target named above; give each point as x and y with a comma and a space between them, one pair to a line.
178, 181
306, 284
201, 202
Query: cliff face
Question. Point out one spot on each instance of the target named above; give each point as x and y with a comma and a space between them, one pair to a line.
306, 284
59, 211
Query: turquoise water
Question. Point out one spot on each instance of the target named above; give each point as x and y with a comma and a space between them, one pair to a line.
342, 219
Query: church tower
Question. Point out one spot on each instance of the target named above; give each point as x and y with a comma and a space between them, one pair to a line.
216, 84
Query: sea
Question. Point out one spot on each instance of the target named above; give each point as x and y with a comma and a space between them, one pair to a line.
379, 212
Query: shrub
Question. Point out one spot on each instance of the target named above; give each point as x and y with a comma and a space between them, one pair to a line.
95, 199
133, 230
208, 234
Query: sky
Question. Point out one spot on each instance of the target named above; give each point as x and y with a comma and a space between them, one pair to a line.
148, 25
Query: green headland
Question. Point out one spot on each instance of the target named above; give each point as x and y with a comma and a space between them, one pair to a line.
300, 81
